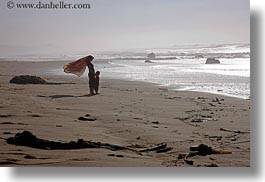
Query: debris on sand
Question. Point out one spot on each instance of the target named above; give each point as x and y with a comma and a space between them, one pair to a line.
27, 79
208, 165
6, 115
190, 162
159, 148
29, 157
201, 150
114, 155
197, 120
233, 131
216, 100
87, 117
164, 150
204, 150
7, 122
26, 138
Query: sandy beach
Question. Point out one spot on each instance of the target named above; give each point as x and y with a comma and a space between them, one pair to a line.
136, 115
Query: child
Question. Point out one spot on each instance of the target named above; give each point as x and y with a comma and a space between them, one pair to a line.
97, 81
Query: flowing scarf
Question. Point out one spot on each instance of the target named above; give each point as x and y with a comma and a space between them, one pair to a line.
77, 67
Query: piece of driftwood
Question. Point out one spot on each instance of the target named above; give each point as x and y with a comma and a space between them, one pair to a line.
233, 131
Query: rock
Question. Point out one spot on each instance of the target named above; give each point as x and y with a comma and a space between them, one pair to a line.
151, 56
87, 118
199, 56
212, 61
27, 79
148, 61
216, 100
202, 149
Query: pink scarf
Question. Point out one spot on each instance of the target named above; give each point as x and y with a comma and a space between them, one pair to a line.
77, 67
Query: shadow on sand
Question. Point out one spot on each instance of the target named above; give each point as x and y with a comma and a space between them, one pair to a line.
67, 96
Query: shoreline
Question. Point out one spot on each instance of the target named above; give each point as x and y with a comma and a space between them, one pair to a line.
131, 80
131, 114
181, 90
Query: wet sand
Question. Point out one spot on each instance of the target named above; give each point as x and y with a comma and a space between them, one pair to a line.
134, 115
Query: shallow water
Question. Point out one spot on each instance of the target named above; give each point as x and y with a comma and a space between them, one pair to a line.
181, 68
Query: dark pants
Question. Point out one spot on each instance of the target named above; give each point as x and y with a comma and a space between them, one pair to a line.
92, 84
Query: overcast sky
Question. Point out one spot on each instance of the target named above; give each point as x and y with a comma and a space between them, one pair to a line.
124, 24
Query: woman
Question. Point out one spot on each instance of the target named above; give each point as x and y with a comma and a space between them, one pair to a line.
78, 68
91, 75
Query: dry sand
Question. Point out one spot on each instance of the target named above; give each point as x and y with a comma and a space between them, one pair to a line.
132, 114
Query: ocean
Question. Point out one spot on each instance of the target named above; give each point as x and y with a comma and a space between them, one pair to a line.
184, 68
178, 67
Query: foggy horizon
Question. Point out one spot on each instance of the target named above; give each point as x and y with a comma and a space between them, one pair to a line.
123, 25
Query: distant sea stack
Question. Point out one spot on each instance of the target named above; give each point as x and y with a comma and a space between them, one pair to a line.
212, 61
151, 56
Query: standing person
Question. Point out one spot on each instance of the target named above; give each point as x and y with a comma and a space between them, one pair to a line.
97, 81
91, 75
78, 68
